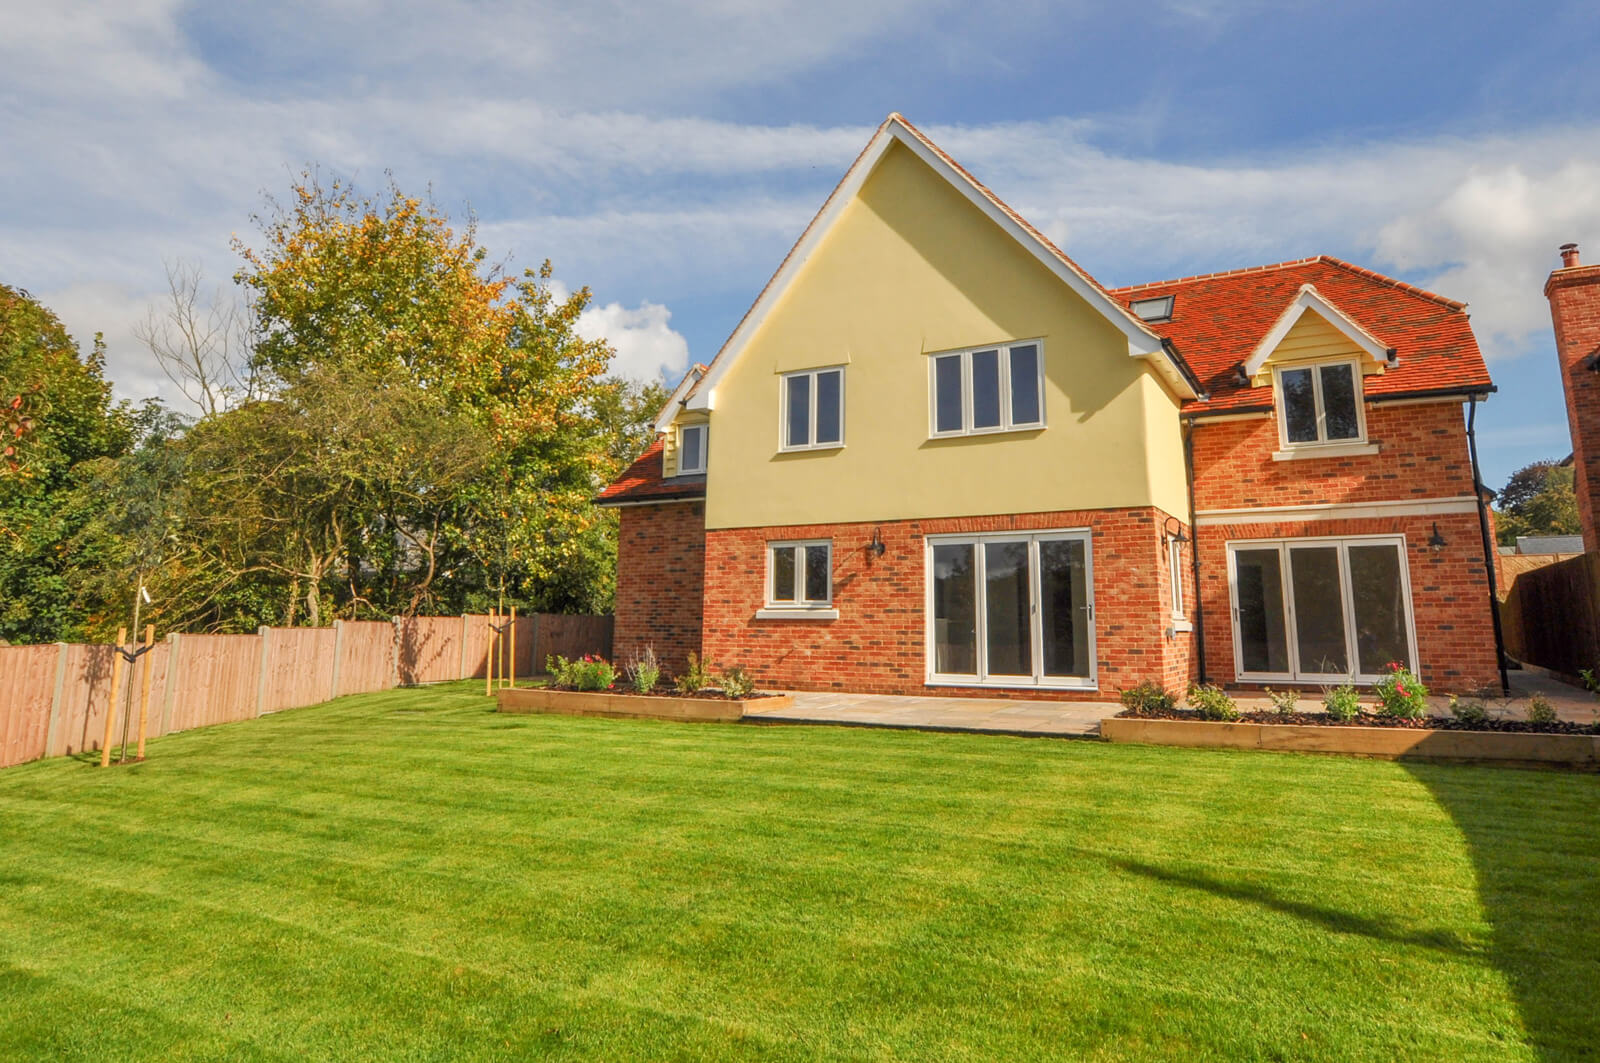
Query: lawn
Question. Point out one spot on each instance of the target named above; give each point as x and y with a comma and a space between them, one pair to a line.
409, 876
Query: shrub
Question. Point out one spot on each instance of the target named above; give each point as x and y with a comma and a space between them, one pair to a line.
1285, 702
1540, 710
737, 683
1148, 696
561, 671
1468, 711
695, 678
1590, 682
644, 671
1212, 702
1342, 702
1401, 694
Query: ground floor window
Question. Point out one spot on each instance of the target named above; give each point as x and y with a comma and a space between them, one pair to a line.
1320, 609
800, 574
1011, 609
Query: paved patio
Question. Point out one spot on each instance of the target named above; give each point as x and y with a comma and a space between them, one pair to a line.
1081, 719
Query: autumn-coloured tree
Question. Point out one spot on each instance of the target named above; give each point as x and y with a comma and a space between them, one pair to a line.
352, 287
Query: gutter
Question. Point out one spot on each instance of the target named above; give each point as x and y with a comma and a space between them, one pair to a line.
1194, 556
1476, 394
1488, 547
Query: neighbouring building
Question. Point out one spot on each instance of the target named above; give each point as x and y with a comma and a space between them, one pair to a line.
1574, 295
937, 455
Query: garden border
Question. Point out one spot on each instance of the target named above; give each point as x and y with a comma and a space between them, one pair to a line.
1581, 752
541, 700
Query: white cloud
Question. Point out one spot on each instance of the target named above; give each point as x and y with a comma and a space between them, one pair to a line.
647, 347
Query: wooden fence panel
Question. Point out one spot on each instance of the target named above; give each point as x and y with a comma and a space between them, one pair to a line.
549, 634
429, 649
218, 680
366, 656
299, 667
1551, 615
82, 715
28, 679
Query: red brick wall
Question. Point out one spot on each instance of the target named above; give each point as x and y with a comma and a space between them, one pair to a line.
1424, 455
1449, 594
877, 644
660, 581
1574, 296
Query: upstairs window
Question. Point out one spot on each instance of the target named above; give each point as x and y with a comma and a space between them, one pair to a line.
813, 409
1320, 404
987, 389
691, 449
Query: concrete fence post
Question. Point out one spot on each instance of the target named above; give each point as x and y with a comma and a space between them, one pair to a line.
56, 697
394, 653
171, 694
464, 630
338, 657
536, 666
265, 634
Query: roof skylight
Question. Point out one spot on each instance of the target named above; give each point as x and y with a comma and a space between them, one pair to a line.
1158, 309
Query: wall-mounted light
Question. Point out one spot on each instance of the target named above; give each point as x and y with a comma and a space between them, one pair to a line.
1172, 532
876, 547
1436, 541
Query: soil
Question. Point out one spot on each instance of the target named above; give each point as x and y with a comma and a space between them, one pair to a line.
708, 694
1367, 719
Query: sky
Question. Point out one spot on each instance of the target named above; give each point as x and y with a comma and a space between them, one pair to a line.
666, 155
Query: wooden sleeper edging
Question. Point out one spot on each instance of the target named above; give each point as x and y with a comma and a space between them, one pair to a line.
1561, 750
540, 700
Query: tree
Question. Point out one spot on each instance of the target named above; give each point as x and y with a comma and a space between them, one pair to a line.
70, 421
199, 342
347, 287
1538, 499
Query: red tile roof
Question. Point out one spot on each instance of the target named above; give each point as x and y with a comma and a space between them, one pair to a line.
1219, 318
643, 482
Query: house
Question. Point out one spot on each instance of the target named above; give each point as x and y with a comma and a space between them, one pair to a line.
1573, 292
937, 455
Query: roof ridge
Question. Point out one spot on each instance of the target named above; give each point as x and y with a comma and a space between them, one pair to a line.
1372, 274
1350, 267
1218, 273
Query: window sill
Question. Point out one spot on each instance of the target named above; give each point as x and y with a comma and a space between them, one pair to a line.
1004, 430
812, 448
775, 613
1326, 450
1181, 627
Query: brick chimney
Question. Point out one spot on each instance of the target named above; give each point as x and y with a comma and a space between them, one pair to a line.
1574, 294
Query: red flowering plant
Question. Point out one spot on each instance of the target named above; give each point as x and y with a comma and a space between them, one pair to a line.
1401, 693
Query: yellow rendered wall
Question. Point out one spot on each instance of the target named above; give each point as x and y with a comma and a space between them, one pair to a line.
911, 267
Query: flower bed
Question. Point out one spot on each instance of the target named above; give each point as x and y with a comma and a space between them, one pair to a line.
593, 686
1369, 719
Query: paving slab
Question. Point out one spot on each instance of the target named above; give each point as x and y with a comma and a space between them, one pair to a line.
1075, 719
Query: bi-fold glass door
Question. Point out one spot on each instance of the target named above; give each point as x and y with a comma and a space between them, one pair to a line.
1011, 609
1320, 610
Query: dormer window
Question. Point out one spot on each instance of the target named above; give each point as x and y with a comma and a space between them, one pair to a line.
1320, 404
692, 449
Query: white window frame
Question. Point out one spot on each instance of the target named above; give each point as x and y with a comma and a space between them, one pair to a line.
1040, 681
1175, 576
800, 604
1322, 439
1296, 673
811, 423
705, 439
965, 354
